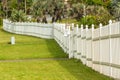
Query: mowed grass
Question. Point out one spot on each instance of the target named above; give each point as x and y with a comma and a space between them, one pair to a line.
31, 68
48, 70
28, 47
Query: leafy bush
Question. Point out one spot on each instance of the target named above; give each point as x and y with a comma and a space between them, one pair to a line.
115, 9
18, 16
96, 15
89, 20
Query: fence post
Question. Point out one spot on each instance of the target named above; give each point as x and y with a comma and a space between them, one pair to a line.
72, 42
110, 22
69, 41
77, 41
100, 26
81, 44
63, 37
92, 46
86, 45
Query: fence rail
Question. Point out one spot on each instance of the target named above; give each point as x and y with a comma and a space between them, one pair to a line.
97, 48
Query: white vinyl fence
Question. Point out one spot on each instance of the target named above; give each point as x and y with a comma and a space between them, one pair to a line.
27, 28
97, 48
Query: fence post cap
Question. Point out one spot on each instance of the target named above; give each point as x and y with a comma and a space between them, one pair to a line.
100, 25
93, 26
81, 26
110, 21
72, 26
77, 25
86, 26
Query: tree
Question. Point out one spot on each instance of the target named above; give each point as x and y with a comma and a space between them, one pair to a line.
115, 9
48, 7
18, 16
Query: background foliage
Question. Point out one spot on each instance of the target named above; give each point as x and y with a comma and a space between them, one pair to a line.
82, 11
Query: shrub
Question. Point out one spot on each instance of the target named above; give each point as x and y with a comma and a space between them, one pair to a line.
89, 20
18, 16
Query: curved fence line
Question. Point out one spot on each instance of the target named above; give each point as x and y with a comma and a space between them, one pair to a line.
97, 48
33, 29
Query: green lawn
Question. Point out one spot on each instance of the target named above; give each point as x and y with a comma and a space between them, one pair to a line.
28, 47
48, 70
31, 68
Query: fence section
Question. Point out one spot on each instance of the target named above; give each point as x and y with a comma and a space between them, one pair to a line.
33, 29
97, 48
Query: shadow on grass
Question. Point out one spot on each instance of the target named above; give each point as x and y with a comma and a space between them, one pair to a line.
74, 67
54, 49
